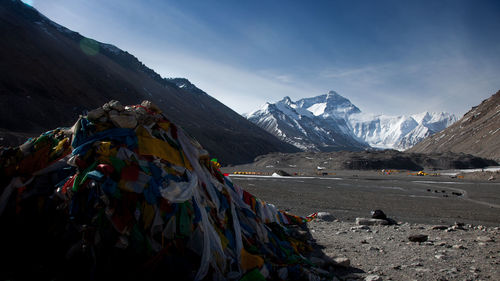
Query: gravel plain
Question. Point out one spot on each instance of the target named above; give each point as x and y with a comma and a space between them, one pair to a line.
458, 217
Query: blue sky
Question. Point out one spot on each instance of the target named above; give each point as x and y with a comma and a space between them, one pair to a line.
390, 57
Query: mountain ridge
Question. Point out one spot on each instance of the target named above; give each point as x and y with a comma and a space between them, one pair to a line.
50, 75
399, 132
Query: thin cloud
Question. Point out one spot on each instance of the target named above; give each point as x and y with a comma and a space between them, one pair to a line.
444, 58
240, 89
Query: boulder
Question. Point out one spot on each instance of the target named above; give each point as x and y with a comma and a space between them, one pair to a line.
365, 221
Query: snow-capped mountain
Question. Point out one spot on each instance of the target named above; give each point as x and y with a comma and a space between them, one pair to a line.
313, 124
398, 132
331, 122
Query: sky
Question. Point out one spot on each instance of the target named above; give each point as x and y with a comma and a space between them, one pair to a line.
387, 57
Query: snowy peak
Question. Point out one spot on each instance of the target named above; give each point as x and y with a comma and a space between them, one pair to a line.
286, 100
324, 106
316, 123
331, 122
434, 118
329, 105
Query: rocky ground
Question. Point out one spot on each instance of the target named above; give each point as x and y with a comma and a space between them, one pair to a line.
384, 252
460, 233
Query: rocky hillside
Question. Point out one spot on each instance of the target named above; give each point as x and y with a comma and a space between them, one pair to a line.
477, 133
49, 75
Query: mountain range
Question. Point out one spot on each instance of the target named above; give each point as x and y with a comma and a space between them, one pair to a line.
331, 122
49, 75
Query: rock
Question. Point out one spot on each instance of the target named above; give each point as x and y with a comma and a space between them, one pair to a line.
474, 269
361, 227
113, 105
326, 216
440, 257
151, 106
373, 277
458, 247
458, 225
339, 261
378, 214
95, 114
124, 121
439, 227
364, 221
484, 239
116, 105
422, 270
418, 238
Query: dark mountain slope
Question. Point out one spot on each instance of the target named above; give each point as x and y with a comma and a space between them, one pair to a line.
49, 75
477, 133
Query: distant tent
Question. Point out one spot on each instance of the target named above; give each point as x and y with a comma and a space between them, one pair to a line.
124, 194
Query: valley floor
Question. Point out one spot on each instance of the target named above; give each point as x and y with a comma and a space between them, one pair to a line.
417, 203
403, 197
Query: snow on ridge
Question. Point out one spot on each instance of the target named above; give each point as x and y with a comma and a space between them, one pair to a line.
317, 109
285, 107
262, 110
